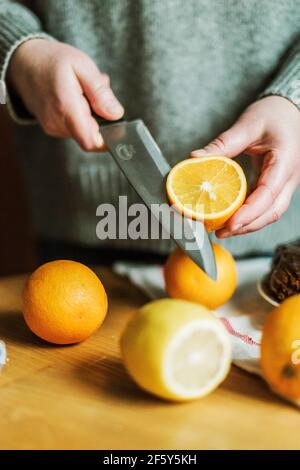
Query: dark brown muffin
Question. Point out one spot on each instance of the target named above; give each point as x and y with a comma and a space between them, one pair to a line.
284, 278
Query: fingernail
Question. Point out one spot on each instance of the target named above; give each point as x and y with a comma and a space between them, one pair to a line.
236, 227
98, 141
114, 107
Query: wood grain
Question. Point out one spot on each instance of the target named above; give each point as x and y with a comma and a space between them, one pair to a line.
80, 397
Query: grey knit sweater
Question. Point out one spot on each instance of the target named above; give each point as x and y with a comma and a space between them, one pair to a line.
187, 67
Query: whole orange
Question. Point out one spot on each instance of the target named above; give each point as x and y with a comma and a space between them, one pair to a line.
64, 302
185, 280
280, 348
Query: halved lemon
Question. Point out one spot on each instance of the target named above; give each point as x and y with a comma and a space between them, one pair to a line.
176, 349
210, 188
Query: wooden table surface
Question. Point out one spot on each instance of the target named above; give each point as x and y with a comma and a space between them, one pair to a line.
80, 397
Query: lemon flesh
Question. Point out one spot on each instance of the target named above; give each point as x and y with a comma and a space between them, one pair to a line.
176, 349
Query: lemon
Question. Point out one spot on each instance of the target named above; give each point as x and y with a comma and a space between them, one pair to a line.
176, 349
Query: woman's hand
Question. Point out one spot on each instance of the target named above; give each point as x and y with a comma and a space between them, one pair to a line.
269, 131
59, 85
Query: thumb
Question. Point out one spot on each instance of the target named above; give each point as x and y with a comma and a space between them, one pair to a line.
96, 87
232, 142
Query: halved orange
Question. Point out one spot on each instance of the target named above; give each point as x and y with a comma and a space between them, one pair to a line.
209, 188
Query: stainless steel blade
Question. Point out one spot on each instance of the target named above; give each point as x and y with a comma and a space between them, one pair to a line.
140, 159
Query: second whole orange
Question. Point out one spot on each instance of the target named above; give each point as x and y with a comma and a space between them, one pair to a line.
185, 280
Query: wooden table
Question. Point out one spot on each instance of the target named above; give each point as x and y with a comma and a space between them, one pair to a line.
80, 397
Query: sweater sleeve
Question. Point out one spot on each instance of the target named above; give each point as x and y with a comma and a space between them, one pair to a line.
17, 25
287, 82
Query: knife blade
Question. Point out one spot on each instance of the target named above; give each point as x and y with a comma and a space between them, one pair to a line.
143, 164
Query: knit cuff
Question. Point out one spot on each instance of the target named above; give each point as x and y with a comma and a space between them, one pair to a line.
14, 31
287, 82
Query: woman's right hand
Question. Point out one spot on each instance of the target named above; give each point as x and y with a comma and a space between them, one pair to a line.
60, 85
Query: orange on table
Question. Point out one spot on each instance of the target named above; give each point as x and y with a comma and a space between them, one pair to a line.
185, 280
280, 348
210, 188
64, 302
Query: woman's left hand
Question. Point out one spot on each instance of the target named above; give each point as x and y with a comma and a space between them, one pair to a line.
269, 129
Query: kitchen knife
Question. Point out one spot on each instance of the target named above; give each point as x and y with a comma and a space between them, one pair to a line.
142, 162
